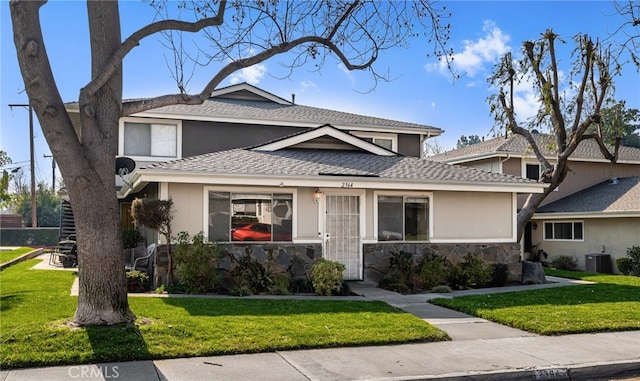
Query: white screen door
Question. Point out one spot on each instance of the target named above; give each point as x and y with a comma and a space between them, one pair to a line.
342, 233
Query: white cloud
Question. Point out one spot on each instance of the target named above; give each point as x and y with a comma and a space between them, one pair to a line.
477, 54
252, 74
347, 72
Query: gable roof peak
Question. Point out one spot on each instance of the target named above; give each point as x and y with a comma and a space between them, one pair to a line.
247, 91
338, 140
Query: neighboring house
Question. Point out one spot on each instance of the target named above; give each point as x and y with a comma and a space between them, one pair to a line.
602, 219
306, 182
587, 168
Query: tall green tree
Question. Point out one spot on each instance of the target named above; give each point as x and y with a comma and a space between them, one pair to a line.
619, 122
464, 141
5, 179
242, 34
47, 206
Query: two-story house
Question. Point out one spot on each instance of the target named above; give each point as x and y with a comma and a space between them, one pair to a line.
250, 169
596, 209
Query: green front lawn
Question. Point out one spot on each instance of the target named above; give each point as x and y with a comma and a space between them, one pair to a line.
35, 304
613, 304
7, 255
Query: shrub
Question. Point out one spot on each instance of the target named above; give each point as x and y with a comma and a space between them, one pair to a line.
432, 271
633, 253
301, 286
196, 263
499, 274
536, 255
457, 278
624, 265
252, 274
131, 238
441, 289
137, 281
564, 262
401, 262
281, 284
327, 276
478, 271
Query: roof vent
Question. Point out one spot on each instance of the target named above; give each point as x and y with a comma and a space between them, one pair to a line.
614, 181
535, 132
293, 98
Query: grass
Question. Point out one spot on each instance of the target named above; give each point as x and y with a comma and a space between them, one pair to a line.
35, 305
613, 304
7, 255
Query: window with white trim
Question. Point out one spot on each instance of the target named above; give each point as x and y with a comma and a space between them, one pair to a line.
532, 171
388, 141
403, 218
153, 140
564, 231
250, 216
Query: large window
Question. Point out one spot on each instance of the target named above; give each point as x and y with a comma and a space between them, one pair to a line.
403, 218
150, 139
250, 216
563, 231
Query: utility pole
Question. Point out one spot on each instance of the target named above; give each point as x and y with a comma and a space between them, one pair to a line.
34, 217
53, 171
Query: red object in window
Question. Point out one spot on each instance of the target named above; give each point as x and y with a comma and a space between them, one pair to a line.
252, 232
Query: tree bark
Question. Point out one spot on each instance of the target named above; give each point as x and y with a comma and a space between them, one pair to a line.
87, 160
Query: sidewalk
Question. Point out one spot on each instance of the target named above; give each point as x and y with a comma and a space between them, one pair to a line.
479, 350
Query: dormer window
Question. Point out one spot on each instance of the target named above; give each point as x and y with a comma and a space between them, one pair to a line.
144, 139
388, 141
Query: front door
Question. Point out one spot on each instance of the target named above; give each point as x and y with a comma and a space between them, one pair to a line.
342, 233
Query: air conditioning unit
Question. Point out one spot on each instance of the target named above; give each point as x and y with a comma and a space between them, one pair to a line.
598, 263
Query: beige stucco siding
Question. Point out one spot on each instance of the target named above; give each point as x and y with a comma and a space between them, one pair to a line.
459, 216
188, 204
581, 175
615, 235
307, 215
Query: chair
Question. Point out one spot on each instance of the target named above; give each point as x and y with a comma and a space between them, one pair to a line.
66, 252
144, 263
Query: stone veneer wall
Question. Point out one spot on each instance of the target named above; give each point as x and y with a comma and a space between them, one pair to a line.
294, 259
376, 255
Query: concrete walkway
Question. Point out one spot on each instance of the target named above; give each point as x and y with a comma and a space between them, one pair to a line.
479, 350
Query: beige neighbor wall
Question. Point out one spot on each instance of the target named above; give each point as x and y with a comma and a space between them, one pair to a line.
487, 165
464, 216
307, 209
581, 175
616, 235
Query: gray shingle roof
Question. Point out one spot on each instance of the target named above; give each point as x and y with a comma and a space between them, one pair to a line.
517, 144
608, 196
270, 111
311, 163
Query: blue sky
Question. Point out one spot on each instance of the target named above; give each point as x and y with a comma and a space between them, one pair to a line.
420, 91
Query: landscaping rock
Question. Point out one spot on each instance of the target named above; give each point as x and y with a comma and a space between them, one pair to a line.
532, 273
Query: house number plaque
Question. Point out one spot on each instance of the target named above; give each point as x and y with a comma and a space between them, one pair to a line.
347, 185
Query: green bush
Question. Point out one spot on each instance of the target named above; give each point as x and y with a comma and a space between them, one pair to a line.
131, 238
457, 278
478, 271
432, 271
137, 281
401, 263
441, 289
252, 274
499, 274
624, 265
564, 262
327, 277
196, 262
633, 253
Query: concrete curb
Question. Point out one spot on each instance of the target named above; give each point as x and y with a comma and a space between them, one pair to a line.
603, 371
32, 254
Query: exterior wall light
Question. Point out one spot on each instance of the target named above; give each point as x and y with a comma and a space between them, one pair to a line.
316, 195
